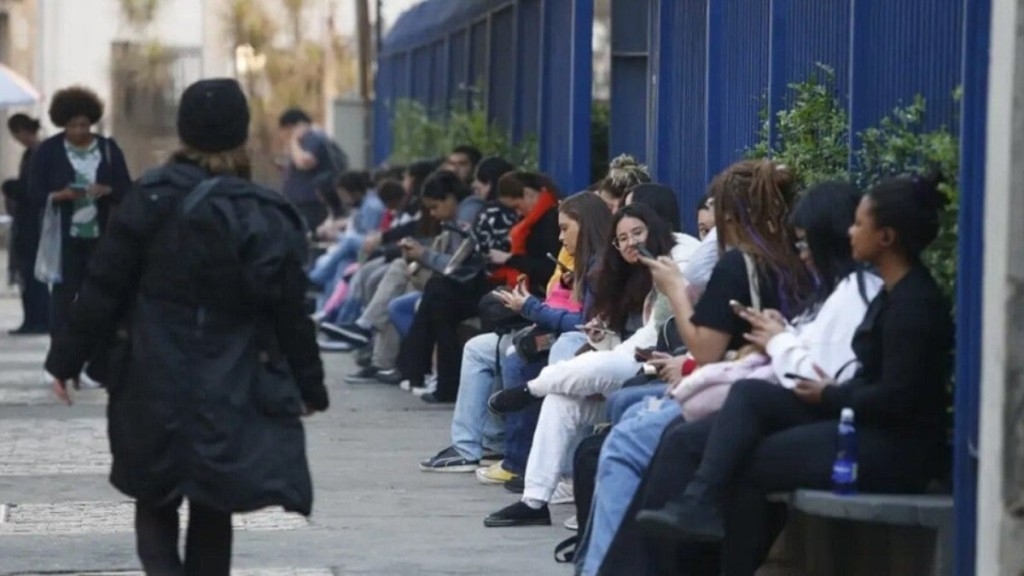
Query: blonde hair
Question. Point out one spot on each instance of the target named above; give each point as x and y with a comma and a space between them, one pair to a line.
234, 162
624, 174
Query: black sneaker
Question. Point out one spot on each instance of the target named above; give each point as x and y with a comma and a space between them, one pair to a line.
351, 332
449, 460
516, 485
519, 514
432, 398
690, 518
366, 375
332, 344
390, 376
511, 400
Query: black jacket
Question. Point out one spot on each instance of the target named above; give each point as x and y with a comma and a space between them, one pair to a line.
201, 405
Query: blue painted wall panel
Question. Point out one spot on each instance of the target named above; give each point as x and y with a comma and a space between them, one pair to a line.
902, 48
681, 132
531, 57
438, 72
740, 72
501, 85
630, 32
422, 75
817, 31
528, 62
555, 93
458, 64
478, 45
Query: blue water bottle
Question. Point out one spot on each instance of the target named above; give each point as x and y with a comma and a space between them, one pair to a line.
844, 470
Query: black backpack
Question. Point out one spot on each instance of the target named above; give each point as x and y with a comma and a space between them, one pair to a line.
328, 175
238, 241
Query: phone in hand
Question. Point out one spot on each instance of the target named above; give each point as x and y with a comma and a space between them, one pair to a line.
585, 328
643, 354
737, 308
798, 377
644, 252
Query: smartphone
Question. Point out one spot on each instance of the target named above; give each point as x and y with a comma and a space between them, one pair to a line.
583, 328
643, 354
560, 266
737, 308
798, 377
644, 252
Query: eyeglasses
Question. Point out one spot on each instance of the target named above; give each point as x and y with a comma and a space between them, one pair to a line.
635, 236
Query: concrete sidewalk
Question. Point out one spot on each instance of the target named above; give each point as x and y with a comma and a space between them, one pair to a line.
375, 512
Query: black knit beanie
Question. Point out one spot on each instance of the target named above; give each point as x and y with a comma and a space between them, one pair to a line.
213, 116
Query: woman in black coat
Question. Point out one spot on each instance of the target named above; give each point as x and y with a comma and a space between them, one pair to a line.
85, 176
218, 359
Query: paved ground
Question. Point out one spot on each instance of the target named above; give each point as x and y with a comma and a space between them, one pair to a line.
375, 512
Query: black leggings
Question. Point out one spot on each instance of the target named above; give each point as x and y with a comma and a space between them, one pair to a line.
444, 305
207, 543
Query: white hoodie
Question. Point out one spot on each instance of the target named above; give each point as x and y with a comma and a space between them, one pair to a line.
604, 371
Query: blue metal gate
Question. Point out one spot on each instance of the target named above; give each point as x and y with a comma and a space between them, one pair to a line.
532, 58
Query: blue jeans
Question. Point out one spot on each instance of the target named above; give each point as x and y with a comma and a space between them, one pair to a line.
624, 459
622, 399
474, 429
516, 372
402, 310
328, 270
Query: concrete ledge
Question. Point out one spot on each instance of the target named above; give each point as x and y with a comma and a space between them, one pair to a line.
929, 511
831, 534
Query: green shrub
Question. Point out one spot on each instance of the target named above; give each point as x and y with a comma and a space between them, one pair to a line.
812, 135
415, 134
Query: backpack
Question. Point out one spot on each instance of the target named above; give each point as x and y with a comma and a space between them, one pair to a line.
239, 242
327, 176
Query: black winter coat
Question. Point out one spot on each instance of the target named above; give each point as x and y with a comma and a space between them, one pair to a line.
201, 405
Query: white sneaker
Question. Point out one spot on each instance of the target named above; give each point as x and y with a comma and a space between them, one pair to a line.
429, 386
405, 385
563, 494
572, 524
86, 383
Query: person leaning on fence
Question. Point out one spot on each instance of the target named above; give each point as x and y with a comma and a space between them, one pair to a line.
214, 359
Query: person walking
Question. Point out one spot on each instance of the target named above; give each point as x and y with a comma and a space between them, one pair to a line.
83, 175
35, 296
197, 294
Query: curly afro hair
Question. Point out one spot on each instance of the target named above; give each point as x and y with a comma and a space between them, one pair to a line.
74, 102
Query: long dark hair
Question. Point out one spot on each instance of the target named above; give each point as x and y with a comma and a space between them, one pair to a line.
622, 288
752, 201
663, 200
825, 213
595, 221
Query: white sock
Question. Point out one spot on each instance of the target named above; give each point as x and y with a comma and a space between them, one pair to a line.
534, 504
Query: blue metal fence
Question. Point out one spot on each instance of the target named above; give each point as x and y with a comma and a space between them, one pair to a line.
713, 67
531, 58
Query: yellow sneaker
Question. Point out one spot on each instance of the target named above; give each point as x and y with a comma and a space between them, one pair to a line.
494, 474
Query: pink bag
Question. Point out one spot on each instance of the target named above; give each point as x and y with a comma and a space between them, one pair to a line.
703, 392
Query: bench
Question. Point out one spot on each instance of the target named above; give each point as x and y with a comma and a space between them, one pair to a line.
876, 534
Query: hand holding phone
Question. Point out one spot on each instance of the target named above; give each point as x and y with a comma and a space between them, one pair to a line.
644, 354
644, 252
737, 308
798, 377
